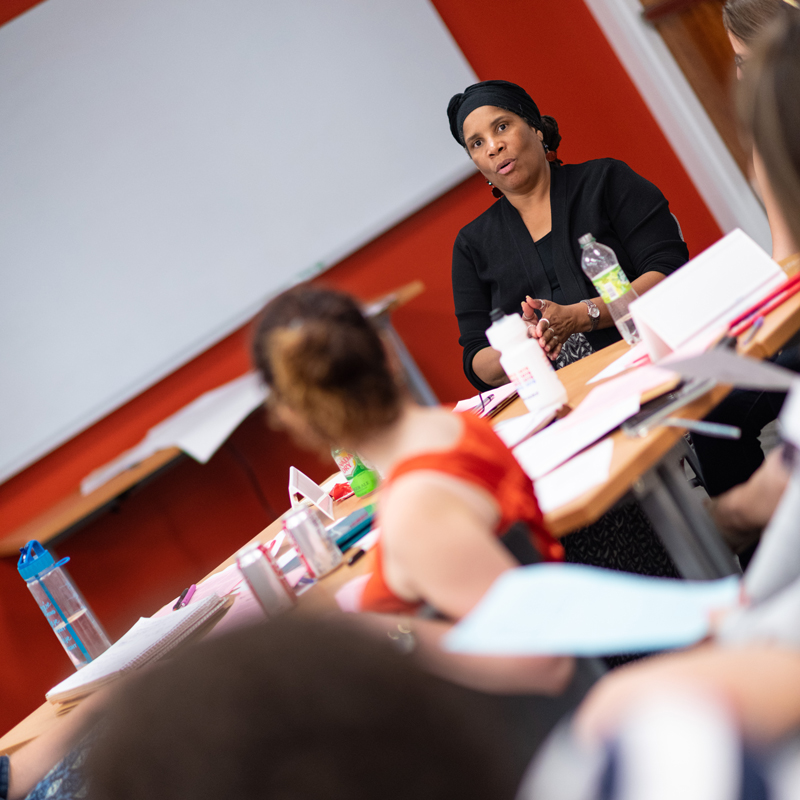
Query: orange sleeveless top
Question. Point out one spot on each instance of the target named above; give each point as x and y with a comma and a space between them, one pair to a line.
481, 458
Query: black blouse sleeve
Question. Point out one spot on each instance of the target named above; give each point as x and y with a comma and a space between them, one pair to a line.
473, 304
640, 215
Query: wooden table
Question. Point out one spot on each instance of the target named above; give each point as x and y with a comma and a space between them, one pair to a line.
634, 467
319, 598
649, 468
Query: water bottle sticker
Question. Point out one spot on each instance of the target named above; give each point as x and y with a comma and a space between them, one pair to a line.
347, 464
612, 283
525, 383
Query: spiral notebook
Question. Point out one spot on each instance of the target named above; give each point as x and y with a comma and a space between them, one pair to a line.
148, 640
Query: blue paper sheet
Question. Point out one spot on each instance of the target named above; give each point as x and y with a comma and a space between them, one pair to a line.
571, 609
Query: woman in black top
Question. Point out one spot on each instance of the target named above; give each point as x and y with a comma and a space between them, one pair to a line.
526, 245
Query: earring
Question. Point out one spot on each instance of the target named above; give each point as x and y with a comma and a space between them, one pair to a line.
549, 154
495, 191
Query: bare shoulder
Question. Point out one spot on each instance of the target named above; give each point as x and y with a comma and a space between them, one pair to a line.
427, 503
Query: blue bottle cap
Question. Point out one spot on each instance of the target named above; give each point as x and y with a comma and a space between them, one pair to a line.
34, 560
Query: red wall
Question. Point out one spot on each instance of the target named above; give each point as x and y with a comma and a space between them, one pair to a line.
180, 525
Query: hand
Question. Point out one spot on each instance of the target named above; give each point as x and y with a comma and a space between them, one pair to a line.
556, 325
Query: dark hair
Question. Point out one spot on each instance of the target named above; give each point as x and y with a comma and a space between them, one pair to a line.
551, 136
294, 709
769, 109
745, 19
321, 356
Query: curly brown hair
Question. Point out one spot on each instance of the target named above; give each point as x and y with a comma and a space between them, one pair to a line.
322, 358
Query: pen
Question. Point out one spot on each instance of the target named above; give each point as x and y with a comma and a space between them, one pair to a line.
358, 554
756, 307
180, 599
753, 330
771, 306
189, 594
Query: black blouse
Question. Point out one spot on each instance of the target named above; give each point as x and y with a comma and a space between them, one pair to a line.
496, 263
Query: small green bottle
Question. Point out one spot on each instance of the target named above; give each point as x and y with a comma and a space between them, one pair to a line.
361, 478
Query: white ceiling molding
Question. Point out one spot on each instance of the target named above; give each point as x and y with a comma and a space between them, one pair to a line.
682, 118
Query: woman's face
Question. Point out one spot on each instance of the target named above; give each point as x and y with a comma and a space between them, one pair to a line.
741, 53
506, 150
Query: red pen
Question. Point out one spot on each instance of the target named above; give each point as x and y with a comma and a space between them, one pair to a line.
790, 283
776, 301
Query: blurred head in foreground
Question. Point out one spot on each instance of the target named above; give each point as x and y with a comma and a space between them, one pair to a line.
769, 109
292, 709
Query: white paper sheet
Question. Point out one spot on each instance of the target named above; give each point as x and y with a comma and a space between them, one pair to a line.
637, 356
572, 609
198, 429
705, 294
725, 366
551, 447
489, 399
517, 429
577, 476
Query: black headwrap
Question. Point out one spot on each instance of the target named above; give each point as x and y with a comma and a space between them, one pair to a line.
502, 94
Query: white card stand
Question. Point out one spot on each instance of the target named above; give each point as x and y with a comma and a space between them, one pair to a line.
301, 485
694, 305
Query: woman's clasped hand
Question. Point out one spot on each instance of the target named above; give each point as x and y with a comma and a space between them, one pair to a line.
554, 325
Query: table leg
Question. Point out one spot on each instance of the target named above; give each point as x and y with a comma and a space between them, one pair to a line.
419, 387
682, 523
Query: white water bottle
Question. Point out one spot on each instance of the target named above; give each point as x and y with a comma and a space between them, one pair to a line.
601, 266
525, 363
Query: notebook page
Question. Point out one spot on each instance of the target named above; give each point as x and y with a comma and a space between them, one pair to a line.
148, 638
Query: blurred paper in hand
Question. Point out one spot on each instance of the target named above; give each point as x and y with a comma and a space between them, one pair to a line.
572, 609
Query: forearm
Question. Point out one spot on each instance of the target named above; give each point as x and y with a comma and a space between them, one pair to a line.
486, 365
583, 321
760, 683
744, 511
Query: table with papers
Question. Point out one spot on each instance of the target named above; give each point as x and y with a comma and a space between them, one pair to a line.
648, 467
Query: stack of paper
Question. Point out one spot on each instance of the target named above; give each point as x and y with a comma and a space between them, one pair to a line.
490, 403
148, 640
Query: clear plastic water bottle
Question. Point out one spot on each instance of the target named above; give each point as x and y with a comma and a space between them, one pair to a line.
361, 478
601, 266
75, 624
525, 363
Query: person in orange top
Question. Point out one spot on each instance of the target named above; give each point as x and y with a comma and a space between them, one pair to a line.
452, 486
480, 461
